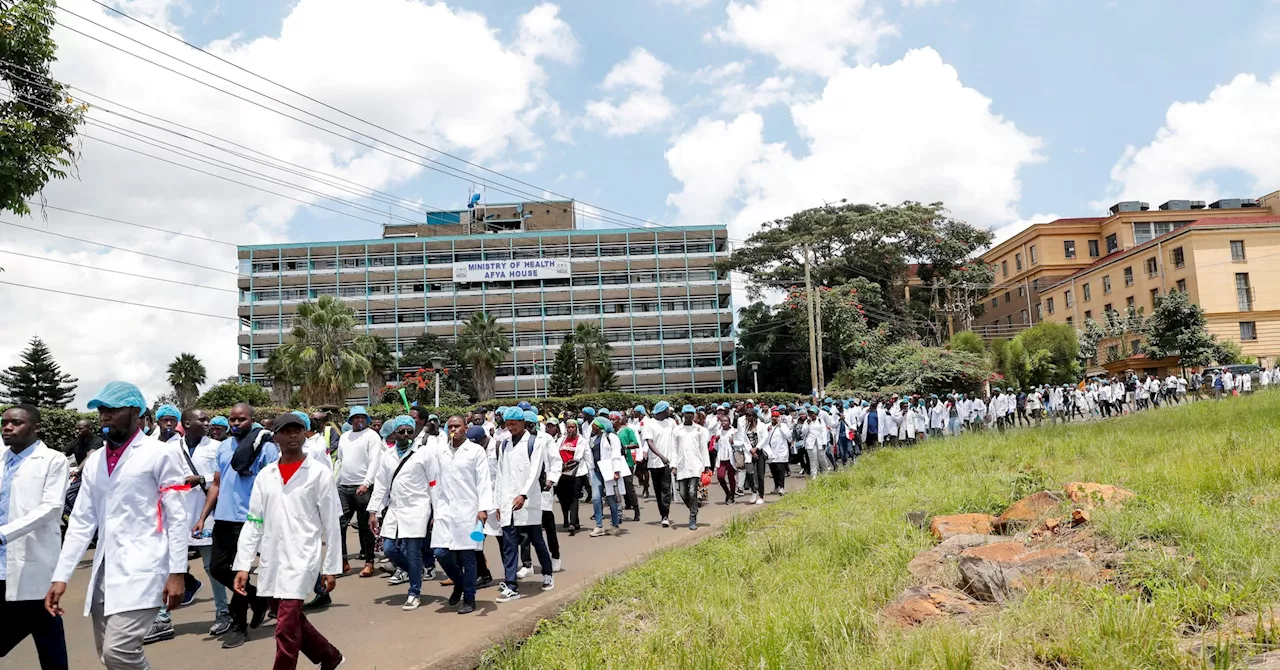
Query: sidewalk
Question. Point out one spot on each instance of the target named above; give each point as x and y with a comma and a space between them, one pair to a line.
367, 625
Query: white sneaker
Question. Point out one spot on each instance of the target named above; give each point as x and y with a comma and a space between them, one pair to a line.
523, 572
556, 566
400, 577
666, 523
506, 594
599, 532
548, 582
759, 501
411, 603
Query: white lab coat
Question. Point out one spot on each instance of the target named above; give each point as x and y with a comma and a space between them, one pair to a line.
295, 528
205, 458
579, 454
690, 457
405, 496
518, 471
32, 535
743, 438
464, 488
554, 467
133, 557
776, 442
612, 462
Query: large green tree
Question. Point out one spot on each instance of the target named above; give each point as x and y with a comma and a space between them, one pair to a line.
1177, 328
186, 374
321, 357
483, 345
227, 394
38, 122
428, 346
1052, 350
882, 244
566, 379
37, 379
593, 352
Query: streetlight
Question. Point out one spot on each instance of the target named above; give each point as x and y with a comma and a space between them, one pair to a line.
437, 364
755, 379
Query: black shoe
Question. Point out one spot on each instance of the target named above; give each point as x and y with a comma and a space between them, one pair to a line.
467, 607
260, 607
455, 596
319, 602
637, 516
485, 580
235, 638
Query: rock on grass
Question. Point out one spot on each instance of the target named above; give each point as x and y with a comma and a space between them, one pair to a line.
919, 604
996, 572
1028, 511
944, 527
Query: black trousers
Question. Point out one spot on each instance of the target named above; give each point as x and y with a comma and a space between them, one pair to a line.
29, 617
354, 504
226, 536
779, 472
549, 531
567, 491
661, 478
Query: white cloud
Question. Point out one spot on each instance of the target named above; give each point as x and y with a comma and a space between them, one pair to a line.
644, 107
544, 33
712, 74
487, 109
739, 97
1236, 128
885, 133
807, 35
1004, 232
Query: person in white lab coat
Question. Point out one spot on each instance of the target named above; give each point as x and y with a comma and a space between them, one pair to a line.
140, 559
33, 483
607, 472
689, 460
730, 455
518, 497
293, 525
401, 496
815, 442
463, 501
554, 468
776, 449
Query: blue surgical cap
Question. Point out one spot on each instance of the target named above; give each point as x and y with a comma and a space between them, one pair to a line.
640, 409
688, 409
167, 410
357, 411
661, 407
306, 420
523, 405
532, 408
346, 428
395, 424
513, 414
118, 394
530, 416
220, 421
589, 411
603, 424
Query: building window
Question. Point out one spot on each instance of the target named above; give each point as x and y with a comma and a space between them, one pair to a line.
1088, 292
1128, 276
1093, 248
1153, 267
1106, 309
1113, 351
1004, 268
1128, 301
1179, 259
1237, 250
1135, 346
1155, 292
1088, 315
1106, 285
1248, 331
1112, 243
1039, 312
1244, 294
1070, 321
995, 302
1017, 261
1008, 297
1009, 320
1033, 254
1049, 302
1024, 316
1022, 291
1069, 248
1067, 296
1182, 285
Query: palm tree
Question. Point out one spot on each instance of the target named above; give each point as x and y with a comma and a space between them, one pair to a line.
321, 359
186, 374
382, 362
483, 345
593, 356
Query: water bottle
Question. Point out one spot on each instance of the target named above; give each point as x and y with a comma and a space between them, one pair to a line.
477, 534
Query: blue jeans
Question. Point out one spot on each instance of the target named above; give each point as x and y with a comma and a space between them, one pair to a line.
597, 492
510, 546
460, 565
406, 554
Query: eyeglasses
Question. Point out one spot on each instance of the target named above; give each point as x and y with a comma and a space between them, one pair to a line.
404, 431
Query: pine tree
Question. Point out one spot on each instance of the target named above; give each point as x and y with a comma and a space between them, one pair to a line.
566, 379
38, 380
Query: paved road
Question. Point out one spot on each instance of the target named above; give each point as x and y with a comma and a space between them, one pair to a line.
366, 622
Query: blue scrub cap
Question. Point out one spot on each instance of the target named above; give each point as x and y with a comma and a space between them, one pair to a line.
589, 411
640, 409
306, 420
346, 428
530, 416
393, 425
688, 409
118, 394
661, 407
167, 410
513, 414
220, 421
524, 405
603, 424
358, 410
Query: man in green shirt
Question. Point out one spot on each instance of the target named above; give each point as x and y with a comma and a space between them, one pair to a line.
630, 443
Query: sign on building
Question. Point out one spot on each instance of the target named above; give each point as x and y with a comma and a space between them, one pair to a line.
535, 268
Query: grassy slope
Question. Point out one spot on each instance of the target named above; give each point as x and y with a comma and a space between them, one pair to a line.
800, 584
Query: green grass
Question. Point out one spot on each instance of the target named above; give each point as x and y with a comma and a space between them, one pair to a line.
801, 584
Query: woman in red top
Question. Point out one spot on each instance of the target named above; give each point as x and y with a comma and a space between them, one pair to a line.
569, 488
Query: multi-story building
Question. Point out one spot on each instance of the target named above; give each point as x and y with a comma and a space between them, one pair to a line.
1074, 270
654, 291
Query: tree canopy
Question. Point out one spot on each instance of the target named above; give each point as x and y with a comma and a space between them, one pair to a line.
186, 374
37, 379
1177, 328
228, 394
483, 345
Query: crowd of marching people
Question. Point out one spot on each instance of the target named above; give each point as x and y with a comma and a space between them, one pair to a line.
271, 499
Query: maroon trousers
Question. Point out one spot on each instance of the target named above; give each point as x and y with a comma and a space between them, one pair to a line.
295, 634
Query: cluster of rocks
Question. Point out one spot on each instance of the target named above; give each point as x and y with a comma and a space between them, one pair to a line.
982, 559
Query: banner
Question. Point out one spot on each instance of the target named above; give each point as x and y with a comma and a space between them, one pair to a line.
534, 268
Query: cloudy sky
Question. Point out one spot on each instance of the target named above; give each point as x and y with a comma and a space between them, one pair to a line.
668, 111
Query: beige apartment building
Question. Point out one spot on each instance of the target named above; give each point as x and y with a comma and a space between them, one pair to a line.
1224, 255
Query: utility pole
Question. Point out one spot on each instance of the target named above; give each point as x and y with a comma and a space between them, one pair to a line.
817, 317
808, 290
951, 315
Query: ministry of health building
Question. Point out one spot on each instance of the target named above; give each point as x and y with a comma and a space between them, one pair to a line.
654, 291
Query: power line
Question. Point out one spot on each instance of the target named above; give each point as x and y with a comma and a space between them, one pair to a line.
46, 205
122, 302
119, 272
108, 246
